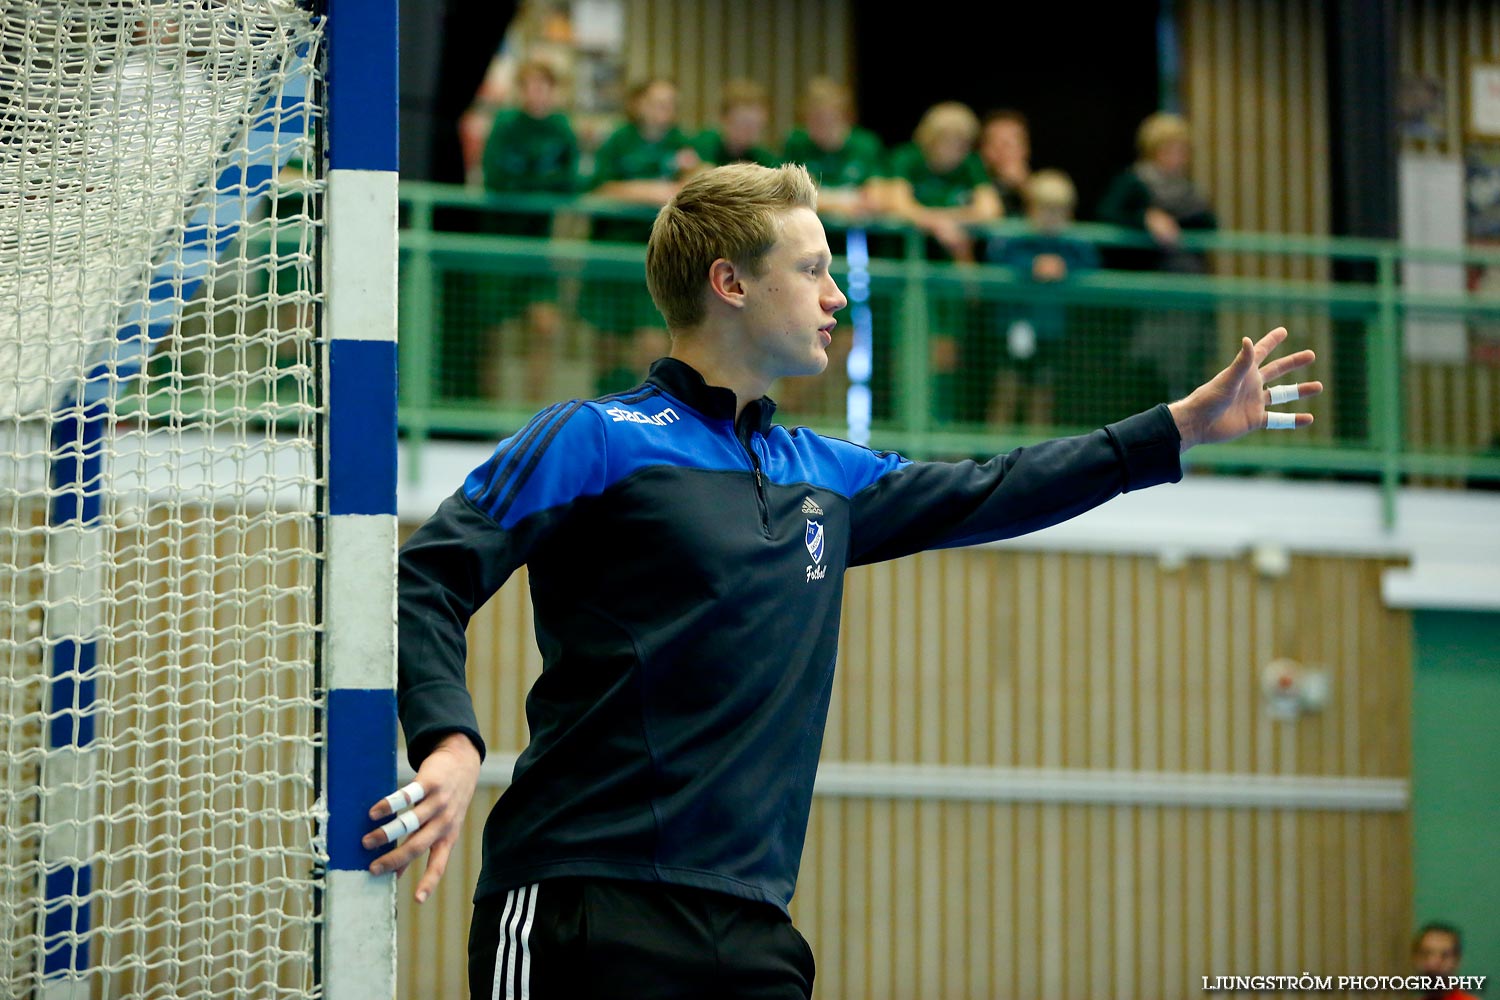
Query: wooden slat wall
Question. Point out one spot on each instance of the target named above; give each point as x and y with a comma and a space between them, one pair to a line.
1449, 406
1104, 662
979, 900
1254, 90
703, 43
984, 657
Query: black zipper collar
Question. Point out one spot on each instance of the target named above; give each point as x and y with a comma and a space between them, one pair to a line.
684, 382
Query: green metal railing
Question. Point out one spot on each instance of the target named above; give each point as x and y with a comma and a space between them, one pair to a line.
456, 269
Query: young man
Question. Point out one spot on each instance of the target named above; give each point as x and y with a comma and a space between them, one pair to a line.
1005, 148
686, 561
1436, 951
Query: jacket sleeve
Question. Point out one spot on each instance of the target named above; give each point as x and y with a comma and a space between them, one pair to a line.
1126, 201
908, 507
455, 561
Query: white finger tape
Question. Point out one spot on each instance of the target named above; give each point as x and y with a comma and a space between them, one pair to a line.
1284, 394
406, 797
1281, 421
404, 824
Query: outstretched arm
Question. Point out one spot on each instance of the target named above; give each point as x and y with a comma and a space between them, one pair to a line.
1238, 400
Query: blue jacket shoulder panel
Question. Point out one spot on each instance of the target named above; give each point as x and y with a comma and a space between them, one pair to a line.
651, 428
803, 456
554, 459
581, 448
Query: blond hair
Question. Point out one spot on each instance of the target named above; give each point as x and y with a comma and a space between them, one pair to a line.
537, 66
1158, 130
741, 92
729, 212
826, 92
1051, 189
947, 118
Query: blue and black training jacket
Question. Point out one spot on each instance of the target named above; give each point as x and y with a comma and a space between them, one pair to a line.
686, 572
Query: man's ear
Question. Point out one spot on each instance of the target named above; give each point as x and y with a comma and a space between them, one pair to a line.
724, 283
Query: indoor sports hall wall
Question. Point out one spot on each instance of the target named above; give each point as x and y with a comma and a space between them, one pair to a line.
703, 43
1460, 403
1254, 85
1069, 673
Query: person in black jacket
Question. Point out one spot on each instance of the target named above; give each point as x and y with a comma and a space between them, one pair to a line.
1156, 195
1173, 347
686, 559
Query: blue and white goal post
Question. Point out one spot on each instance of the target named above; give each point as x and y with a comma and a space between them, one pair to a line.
360, 582
197, 496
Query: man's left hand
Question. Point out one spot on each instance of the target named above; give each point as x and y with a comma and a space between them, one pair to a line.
1238, 399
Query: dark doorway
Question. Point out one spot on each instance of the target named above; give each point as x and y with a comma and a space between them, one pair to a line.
1085, 75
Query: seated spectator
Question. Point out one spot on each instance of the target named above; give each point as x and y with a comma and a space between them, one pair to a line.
530, 149
1436, 951
744, 112
643, 161
938, 184
1156, 195
847, 162
1005, 148
844, 158
1034, 333
1170, 347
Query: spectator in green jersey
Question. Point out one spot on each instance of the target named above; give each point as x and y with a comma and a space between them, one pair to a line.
845, 159
938, 183
644, 161
744, 112
531, 149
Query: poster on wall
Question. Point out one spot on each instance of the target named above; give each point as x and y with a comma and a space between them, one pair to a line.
1482, 191
1484, 101
1423, 109
1432, 217
1482, 226
1484, 329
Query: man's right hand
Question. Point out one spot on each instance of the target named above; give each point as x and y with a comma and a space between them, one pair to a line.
448, 778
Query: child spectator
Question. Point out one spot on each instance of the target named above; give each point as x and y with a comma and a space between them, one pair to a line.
532, 147
844, 158
847, 162
744, 112
1005, 148
939, 184
643, 161
1034, 333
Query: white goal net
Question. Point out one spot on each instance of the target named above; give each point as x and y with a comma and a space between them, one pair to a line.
160, 421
